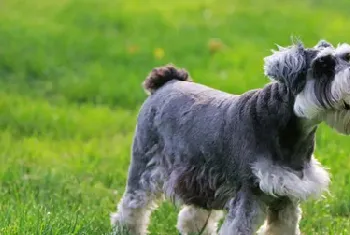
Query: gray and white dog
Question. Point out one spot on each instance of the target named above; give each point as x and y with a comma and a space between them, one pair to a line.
249, 155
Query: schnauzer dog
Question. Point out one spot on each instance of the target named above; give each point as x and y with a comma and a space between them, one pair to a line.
249, 155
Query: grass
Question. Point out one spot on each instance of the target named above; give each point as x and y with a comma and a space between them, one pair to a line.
70, 75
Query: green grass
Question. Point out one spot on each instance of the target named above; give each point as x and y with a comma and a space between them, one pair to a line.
70, 89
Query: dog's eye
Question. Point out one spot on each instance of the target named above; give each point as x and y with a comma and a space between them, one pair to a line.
347, 57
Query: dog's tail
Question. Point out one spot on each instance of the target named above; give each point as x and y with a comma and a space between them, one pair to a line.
161, 75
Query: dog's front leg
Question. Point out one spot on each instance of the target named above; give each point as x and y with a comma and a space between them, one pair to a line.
246, 214
283, 220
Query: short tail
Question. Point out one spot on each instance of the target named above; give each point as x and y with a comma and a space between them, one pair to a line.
161, 75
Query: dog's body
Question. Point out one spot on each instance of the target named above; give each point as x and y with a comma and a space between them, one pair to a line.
251, 154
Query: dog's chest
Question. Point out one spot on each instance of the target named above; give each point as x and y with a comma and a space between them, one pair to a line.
273, 179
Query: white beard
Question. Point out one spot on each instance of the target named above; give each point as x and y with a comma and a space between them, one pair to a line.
341, 86
338, 120
307, 105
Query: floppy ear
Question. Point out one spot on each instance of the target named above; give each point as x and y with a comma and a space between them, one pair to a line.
288, 65
324, 64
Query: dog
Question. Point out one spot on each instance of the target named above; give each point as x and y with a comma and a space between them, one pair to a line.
246, 159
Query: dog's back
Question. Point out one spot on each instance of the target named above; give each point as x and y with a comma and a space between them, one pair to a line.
184, 113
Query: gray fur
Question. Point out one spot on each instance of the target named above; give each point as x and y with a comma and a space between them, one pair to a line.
287, 65
323, 44
247, 216
212, 150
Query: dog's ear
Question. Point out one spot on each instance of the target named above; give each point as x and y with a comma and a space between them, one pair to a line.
324, 64
323, 44
288, 65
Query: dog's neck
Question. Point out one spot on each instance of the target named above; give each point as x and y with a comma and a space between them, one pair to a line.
289, 139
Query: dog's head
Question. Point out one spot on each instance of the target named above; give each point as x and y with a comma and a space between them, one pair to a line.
319, 78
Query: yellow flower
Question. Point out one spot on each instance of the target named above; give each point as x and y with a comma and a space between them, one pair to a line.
158, 53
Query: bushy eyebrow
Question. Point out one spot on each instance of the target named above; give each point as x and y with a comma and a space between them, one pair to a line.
325, 52
342, 49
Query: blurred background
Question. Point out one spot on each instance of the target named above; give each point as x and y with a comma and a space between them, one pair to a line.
70, 89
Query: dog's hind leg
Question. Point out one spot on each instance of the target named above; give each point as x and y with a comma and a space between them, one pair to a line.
142, 193
192, 220
133, 213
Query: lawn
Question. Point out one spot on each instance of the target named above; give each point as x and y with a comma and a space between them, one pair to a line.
70, 90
